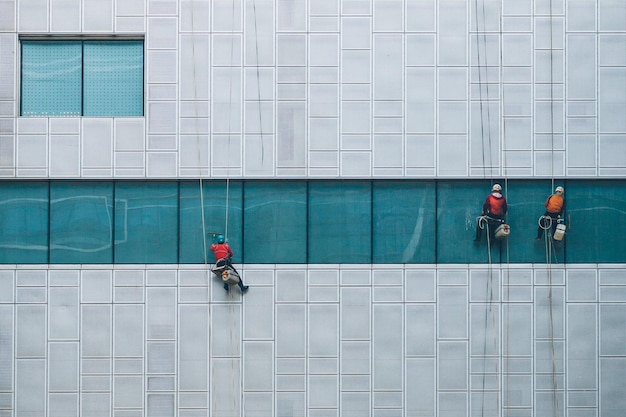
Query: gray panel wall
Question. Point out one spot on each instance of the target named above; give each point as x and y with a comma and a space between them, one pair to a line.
313, 341
305, 88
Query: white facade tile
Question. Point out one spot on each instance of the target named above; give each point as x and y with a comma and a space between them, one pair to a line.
130, 24
612, 151
130, 8
97, 143
549, 163
356, 142
161, 164
355, 164
97, 16
452, 156
129, 135
65, 156
7, 15
32, 16
7, 154
161, 66
32, 151
162, 7
65, 16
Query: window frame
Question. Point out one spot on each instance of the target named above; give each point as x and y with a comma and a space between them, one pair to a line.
82, 39
453, 231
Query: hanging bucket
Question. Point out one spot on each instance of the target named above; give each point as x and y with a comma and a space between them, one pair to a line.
502, 231
559, 233
230, 277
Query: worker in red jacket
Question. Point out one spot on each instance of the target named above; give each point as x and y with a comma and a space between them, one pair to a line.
222, 250
495, 207
555, 205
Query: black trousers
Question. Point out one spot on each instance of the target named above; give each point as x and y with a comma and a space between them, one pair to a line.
229, 263
493, 222
544, 223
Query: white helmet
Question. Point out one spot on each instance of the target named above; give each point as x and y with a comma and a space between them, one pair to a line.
559, 189
496, 187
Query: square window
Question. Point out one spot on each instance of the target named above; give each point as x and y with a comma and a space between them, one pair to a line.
69, 78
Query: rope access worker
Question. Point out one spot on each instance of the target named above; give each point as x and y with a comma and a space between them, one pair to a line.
555, 206
495, 208
222, 251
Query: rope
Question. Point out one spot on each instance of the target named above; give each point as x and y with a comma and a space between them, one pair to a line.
230, 108
484, 224
489, 313
503, 155
505, 353
548, 233
202, 212
227, 202
231, 307
480, 91
195, 104
258, 81
551, 100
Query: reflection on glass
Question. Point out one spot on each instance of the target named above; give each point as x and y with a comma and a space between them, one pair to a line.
596, 217
275, 226
81, 223
51, 78
24, 222
113, 78
339, 222
146, 222
217, 195
404, 222
459, 204
292, 221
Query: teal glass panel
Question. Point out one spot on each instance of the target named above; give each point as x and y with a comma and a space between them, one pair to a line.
23, 222
146, 222
81, 223
459, 204
275, 222
526, 204
596, 221
113, 78
217, 195
51, 78
404, 222
340, 226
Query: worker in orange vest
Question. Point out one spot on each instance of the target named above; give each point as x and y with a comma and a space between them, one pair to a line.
555, 206
495, 207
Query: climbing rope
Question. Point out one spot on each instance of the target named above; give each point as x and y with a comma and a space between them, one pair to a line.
258, 81
490, 313
504, 353
483, 221
548, 233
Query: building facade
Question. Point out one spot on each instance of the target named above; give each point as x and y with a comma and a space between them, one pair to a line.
345, 148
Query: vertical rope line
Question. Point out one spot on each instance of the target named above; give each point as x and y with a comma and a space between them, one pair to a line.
227, 202
486, 323
231, 320
230, 112
551, 99
487, 88
258, 81
549, 249
505, 353
480, 90
503, 155
210, 370
199, 159
549, 240
503, 359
